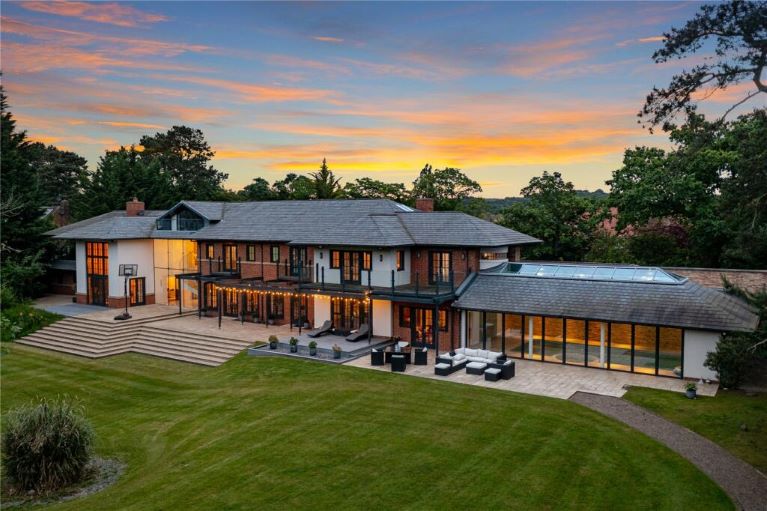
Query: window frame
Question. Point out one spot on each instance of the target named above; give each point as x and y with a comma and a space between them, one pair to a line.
210, 251
400, 260
250, 252
367, 260
272, 253
335, 259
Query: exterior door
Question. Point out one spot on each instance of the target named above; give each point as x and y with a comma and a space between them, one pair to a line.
350, 267
439, 268
230, 257
231, 303
97, 289
297, 259
137, 291
423, 327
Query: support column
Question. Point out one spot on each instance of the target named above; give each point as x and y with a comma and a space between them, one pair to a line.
180, 294
220, 307
370, 318
435, 329
602, 328
530, 338
463, 329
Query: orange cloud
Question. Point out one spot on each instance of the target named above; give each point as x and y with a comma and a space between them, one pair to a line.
327, 39
253, 92
126, 124
111, 13
641, 40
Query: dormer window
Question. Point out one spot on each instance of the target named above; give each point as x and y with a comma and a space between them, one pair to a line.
188, 221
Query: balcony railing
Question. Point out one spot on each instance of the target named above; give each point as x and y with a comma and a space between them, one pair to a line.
391, 283
299, 272
220, 265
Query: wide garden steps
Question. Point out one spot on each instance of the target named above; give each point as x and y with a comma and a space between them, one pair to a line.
96, 339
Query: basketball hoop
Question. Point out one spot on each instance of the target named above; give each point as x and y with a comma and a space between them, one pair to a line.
127, 271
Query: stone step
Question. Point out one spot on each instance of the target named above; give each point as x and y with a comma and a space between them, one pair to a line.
224, 341
192, 346
68, 332
72, 350
80, 343
169, 352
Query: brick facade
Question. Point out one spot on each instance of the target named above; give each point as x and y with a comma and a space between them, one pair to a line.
405, 333
463, 262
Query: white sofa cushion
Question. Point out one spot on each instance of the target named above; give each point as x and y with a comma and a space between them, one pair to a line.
493, 355
476, 365
482, 353
470, 353
459, 356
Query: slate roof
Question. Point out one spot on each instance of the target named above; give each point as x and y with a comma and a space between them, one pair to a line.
369, 223
683, 304
110, 226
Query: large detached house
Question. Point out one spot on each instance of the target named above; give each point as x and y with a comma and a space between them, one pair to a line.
440, 279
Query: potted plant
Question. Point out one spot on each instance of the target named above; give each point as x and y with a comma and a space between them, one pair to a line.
273, 342
293, 345
336, 351
313, 348
691, 390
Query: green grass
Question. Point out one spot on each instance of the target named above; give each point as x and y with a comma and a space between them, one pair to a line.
274, 433
716, 418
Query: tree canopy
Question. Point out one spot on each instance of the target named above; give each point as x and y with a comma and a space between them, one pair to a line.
738, 54
448, 187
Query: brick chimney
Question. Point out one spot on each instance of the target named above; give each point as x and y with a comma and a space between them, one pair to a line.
424, 204
134, 207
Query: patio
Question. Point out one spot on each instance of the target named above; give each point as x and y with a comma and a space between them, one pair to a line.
552, 380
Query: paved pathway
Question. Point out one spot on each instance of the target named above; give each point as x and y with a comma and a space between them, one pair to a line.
745, 485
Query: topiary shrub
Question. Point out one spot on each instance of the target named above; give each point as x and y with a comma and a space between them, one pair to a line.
46, 446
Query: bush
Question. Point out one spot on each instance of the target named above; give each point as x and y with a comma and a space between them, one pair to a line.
732, 359
22, 320
7, 297
46, 446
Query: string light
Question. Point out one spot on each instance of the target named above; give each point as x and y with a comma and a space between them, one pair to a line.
292, 294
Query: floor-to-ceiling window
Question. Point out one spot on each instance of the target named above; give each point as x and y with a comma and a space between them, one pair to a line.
575, 341
474, 329
514, 329
670, 352
554, 336
620, 346
172, 257
597, 344
644, 348
494, 331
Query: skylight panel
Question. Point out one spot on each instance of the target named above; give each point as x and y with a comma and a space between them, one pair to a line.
624, 274
565, 271
404, 208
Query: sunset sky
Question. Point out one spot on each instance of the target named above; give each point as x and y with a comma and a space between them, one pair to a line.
503, 91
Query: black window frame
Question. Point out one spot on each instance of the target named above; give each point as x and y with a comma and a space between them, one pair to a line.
335, 259
276, 303
432, 253
250, 252
367, 260
272, 253
402, 322
210, 251
400, 260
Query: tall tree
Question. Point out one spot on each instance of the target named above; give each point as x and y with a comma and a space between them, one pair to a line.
448, 187
326, 184
367, 188
120, 176
554, 213
739, 29
184, 154
60, 174
257, 190
294, 187
22, 243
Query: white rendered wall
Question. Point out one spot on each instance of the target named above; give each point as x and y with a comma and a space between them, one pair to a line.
382, 318
384, 261
698, 343
321, 310
138, 252
80, 270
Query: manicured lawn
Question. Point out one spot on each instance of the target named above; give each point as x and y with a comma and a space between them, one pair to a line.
271, 433
716, 418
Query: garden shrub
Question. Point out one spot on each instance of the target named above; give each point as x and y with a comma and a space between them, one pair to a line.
22, 320
46, 445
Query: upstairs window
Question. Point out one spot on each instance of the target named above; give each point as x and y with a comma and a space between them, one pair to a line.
209, 250
250, 253
367, 261
335, 259
275, 253
400, 260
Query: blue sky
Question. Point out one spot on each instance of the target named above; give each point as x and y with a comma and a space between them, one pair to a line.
502, 90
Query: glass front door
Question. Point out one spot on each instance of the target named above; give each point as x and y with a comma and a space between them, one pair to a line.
423, 327
97, 289
230, 257
137, 291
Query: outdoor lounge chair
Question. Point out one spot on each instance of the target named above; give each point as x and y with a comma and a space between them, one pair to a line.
326, 328
360, 334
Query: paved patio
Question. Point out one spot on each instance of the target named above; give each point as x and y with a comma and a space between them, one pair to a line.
551, 380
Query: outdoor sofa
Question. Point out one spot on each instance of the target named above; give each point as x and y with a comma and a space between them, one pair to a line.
446, 367
471, 355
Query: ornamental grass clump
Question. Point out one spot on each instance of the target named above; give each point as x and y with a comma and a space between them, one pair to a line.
46, 446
